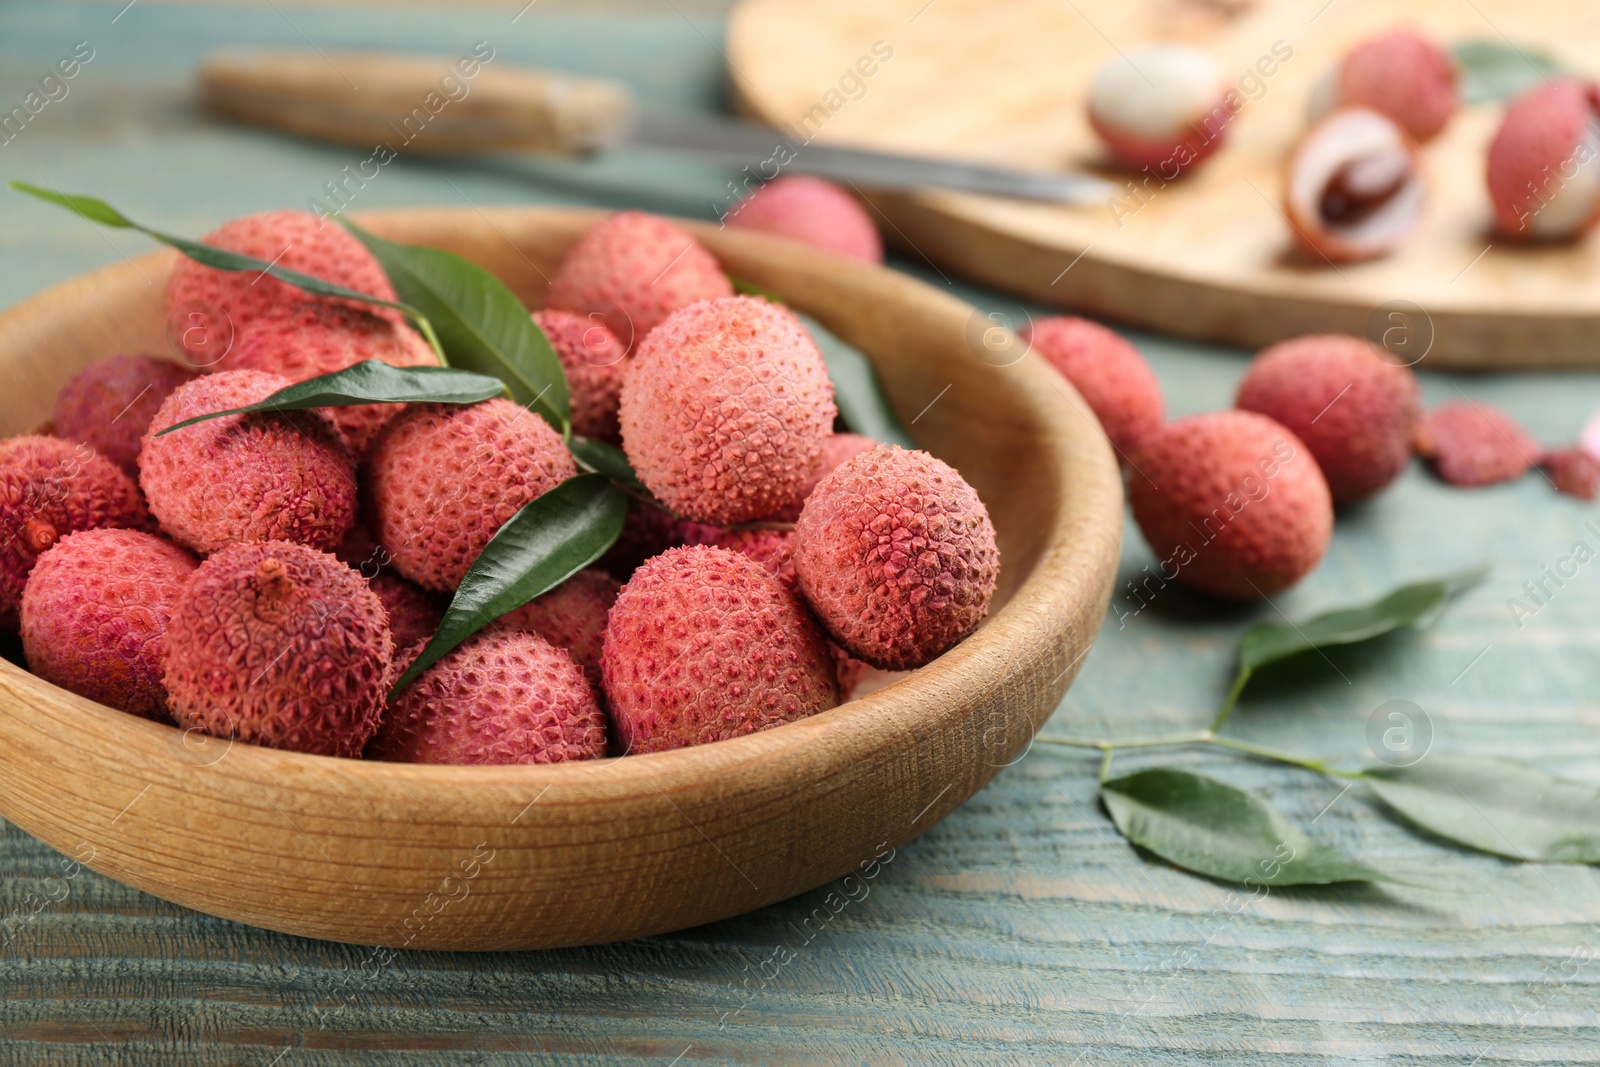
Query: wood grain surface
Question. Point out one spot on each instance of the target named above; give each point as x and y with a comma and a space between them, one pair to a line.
1021, 929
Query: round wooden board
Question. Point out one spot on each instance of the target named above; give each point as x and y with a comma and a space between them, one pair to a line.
1207, 256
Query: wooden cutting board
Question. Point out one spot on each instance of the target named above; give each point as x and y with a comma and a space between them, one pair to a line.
1207, 256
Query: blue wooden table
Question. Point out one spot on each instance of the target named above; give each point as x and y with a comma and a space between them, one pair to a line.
1019, 930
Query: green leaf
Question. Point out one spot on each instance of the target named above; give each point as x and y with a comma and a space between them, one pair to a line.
483, 325
856, 390
749, 288
546, 542
370, 382
1492, 69
1418, 604
1209, 827
1496, 805
605, 459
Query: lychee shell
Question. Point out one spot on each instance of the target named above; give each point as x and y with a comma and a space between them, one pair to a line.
572, 617
1473, 444
1404, 75
1110, 374
812, 211
109, 404
594, 362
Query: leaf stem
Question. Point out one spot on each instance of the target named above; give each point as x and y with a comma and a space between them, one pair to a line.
1193, 737
1240, 680
1105, 765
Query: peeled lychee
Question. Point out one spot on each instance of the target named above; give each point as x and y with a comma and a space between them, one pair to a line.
1116, 382
1353, 408
1232, 503
1355, 188
594, 362
633, 270
1472, 444
1544, 162
277, 644
50, 488
413, 615
896, 555
726, 409
812, 211
1401, 74
109, 404
95, 612
572, 616
702, 645
1163, 107
265, 476
502, 696
442, 479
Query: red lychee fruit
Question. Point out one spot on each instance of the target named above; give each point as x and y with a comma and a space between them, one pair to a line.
313, 338
1232, 503
1400, 73
1471, 444
50, 488
277, 644
1164, 107
1353, 408
442, 480
726, 409
1114, 379
1355, 188
896, 555
109, 404
835, 450
703, 645
94, 616
572, 616
646, 533
594, 362
206, 307
1573, 472
773, 549
413, 614
1544, 162
265, 476
633, 270
812, 211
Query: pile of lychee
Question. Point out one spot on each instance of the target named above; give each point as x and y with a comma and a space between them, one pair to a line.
269, 576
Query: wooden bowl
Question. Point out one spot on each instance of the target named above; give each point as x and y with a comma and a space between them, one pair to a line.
532, 857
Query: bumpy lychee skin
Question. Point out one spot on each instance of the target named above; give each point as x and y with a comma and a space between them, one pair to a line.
1353, 408
95, 613
812, 211
413, 614
1232, 502
259, 477
207, 307
50, 488
1163, 107
313, 338
1544, 162
703, 645
594, 362
896, 554
835, 450
634, 270
503, 696
726, 409
1573, 471
278, 644
572, 616
1473, 444
443, 479
1403, 74
1114, 379
109, 404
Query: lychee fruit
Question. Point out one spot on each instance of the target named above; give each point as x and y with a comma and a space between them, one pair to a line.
413, 614
647, 532
1354, 409
1163, 107
1113, 378
812, 211
726, 409
703, 645
1573, 472
1355, 188
1544, 162
206, 307
1472, 444
94, 616
835, 450
772, 548
572, 616
49, 488
442, 479
1232, 503
633, 270
896, 554
278, 644
109, 404
264, 476
594, 362
1400, 73
313, 338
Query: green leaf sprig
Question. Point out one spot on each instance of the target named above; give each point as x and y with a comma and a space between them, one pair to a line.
1492, 69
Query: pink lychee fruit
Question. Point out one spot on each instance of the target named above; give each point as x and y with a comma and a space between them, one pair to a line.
572, 616
835, 450
278, 644
1472, 444
812, 211
109, 404
95, 612
1544, 162
1113, 378
1401, 73
703, 645
265, 476
1232, 503
1355, 188
896, 554
594, 362
413, 614
647, 532
1163, 107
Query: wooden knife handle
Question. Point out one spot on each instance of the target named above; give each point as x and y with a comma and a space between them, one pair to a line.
430, 104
